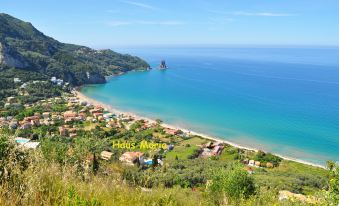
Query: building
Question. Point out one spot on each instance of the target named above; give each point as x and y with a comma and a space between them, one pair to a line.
46, 115
59, 82
97, 114
97, 110
26, 125
54, 80
129, 157
245, 161
171, 131
111, 124
32, 118
211, 149
16, 80
70, 115
35, 122
101, 118
257, 163
23, 86
251, 163
11, 100
269, 165
217, 150
106, 155
13, 125
63, 131
72, 135
108, 115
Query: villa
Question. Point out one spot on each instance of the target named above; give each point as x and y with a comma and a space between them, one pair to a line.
26, 125
251, 163
105, 155
171, 131
70, 115
211, 149
46, 115
130, 157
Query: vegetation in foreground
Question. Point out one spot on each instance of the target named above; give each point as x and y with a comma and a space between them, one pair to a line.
40, 178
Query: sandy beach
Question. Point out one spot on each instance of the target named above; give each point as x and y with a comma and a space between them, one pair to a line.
111, 109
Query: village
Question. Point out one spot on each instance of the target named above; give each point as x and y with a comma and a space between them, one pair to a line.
65, 113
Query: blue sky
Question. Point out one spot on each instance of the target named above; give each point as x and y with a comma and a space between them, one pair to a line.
114, 23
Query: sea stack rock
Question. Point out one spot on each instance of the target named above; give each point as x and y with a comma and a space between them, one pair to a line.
163, 65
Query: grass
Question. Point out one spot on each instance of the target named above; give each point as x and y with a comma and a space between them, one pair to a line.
228, 154
293, 176
88, 126
182, 151
48, 184
296, 167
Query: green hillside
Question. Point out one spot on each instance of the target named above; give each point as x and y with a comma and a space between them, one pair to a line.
23, 47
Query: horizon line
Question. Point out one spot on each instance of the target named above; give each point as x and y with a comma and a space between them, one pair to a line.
218, 45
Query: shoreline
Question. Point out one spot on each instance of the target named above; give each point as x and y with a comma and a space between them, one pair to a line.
111, 109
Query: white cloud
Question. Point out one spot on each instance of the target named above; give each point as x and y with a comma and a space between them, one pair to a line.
124, 23
241, 13
141, 5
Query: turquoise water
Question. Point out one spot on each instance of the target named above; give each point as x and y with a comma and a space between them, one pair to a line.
282, 100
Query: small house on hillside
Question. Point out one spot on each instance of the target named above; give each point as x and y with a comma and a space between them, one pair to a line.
171, 131
130, 157
106, 155
70, 114
211, 149
63, 131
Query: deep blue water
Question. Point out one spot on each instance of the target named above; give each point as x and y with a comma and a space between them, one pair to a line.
282, 100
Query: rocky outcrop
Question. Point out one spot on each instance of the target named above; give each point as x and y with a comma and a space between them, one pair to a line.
96, 79
11, 58
163, 65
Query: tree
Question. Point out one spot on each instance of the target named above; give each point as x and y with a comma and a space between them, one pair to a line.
158, 121
333, 192
95, 166
12, 161
155, 161
233, 183
330, 165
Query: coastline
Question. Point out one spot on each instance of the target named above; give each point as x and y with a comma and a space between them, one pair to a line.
111, 109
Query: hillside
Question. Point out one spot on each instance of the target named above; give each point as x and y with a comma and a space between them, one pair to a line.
23, 47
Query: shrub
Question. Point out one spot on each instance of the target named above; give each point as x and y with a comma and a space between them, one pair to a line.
232, 183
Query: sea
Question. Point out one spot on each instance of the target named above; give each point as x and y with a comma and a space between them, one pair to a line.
283, 100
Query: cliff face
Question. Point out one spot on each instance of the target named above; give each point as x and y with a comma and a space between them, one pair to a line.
11, 58
24, 47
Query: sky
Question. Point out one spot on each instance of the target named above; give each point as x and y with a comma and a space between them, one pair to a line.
119, 23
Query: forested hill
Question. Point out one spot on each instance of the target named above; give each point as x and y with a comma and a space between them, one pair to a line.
25, 49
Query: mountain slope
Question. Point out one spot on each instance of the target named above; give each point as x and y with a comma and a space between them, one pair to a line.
23, 47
